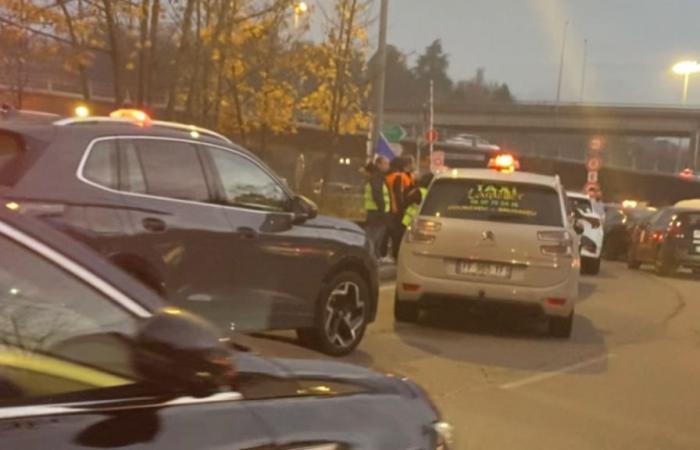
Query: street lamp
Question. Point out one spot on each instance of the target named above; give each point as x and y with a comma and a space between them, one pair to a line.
686, 68
300, 9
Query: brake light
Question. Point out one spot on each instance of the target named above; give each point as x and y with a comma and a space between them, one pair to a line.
675, 231
559, 243
138, 116
504, 162
555, 301
421, 231
657, 236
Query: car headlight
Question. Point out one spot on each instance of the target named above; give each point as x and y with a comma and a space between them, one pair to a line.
444, 436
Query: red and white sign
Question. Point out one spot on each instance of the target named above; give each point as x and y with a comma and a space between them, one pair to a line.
431, 135
594, 164
596, 144
437, 160
593, 177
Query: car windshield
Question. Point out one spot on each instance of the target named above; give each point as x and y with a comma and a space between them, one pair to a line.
498, 201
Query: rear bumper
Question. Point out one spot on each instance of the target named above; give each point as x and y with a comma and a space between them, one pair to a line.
429, 291
683, 257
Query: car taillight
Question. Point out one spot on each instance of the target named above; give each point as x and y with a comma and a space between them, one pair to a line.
422, 231
675, 231
657, 236
558, 243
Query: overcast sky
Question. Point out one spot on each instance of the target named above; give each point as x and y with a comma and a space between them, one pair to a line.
631, 44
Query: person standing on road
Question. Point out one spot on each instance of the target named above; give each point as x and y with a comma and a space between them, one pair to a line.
414, 198
399, 181
377, 204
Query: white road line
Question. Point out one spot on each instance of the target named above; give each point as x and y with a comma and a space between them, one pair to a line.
554, 373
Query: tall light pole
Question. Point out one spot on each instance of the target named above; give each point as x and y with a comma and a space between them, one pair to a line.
686, 68
561, 60
583, 70
300, 9
380, 79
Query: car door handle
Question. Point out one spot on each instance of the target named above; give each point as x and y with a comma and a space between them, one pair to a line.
246, 233
153, 224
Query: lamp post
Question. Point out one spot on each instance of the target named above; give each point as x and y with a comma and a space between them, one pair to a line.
686, 68
300, 9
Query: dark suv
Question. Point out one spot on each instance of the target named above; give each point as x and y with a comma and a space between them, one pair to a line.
198, 219
668, 239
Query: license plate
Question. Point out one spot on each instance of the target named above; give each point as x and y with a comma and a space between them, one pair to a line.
696, 234
481, 269
697, 249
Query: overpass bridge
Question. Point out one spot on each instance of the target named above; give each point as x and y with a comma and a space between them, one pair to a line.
582, 119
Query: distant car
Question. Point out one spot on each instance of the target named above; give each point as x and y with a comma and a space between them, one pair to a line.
593, 235
200, 220
90, 358
619, 223
472, 141
491, 240
669, 239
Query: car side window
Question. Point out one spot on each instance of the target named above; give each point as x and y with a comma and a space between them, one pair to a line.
661, 219
57, 334
130, 170
171, 169
245, 183
101, 164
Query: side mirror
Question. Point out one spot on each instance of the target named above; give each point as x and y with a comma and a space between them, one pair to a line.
303, 209
182, 352
578, 227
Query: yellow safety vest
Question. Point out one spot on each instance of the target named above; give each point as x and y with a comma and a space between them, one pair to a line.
370, 204
412, 210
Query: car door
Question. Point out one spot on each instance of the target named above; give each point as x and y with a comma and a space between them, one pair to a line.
66, 376
651, 233
177, 228
282, 263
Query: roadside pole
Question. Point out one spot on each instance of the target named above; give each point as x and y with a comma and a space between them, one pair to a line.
431, 116
380, 79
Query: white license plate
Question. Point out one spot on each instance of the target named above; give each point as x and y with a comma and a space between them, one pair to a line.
696, 234
697, 249
481, 269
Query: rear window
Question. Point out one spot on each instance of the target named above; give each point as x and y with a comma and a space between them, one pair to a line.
494, 201
582, 204
691, 219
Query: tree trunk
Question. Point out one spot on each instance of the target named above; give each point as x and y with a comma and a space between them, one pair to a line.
152, 61
174, 75
115, 54
143, 53
84, 82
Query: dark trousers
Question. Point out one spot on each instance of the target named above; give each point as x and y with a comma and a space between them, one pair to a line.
396, 231
376, 228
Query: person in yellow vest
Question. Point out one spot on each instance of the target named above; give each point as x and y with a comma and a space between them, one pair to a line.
377, 204
414, 198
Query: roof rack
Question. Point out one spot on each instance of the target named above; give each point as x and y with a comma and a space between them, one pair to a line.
154, 123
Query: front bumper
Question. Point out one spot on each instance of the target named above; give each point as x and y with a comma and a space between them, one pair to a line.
436, 292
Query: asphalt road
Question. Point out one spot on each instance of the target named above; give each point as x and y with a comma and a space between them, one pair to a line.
629, 378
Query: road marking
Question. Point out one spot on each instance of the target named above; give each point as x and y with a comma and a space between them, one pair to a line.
555, 373
387, 286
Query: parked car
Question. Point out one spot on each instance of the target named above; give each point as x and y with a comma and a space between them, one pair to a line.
90, 358
592, 236
198, 219
669, 239
491, 240
619, 223
471, 141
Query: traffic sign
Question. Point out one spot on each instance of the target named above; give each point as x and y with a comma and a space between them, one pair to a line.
593, 176
596, 143
594, 164
591, 186
437, 160
431, 135
393, 132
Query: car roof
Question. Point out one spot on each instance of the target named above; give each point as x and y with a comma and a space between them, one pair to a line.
494, 175
79, 253
579, 195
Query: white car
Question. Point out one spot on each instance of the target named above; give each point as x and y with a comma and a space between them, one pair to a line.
592, 237
491, 239
473, 141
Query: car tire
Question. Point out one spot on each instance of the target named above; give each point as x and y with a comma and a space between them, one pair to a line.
664, 266
560, 327
406, 311
342, 313
590, 266
632, 263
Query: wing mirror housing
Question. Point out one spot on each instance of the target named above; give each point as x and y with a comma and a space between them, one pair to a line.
181, 352
303, 209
